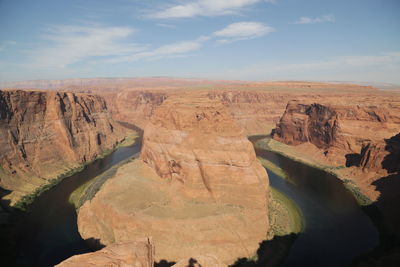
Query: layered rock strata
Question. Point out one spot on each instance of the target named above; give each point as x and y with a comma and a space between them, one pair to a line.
45, 134
200, 191
341, 132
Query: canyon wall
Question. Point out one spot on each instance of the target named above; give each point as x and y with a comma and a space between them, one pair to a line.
45, 134
340, 131
359, 139
256, 107
135, 107
197, 190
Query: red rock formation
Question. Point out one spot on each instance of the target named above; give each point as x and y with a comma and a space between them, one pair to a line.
137, 253
198, 144
134, 107
340, 131
44, 134
205, 192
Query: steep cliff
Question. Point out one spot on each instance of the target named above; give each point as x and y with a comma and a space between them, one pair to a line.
201, 192
134, 107
197, 143
340, 131
45, 134
256, 107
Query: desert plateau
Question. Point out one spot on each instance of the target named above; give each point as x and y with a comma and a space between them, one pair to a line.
198, 133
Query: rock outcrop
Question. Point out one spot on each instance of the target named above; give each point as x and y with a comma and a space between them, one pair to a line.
201, 192
196, 143
139, 253
341, 132
45, 134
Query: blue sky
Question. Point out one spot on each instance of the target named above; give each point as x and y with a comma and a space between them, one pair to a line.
341, 40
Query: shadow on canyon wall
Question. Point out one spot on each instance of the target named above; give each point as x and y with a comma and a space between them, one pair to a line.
270, 252
164, 263
7, 244
385, 212
132, 127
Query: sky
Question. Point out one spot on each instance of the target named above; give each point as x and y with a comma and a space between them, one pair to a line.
321, 40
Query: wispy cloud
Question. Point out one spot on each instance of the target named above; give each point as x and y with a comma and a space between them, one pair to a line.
242, 31
169, 26
202, 8
64, 45
320, 19
177, 49
67, 44
5, 44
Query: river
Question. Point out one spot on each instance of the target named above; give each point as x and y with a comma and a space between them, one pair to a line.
336, 229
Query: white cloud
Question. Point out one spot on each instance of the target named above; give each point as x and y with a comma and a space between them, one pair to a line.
203, 8
64, 45
242, 31
177, 49
320, 19
233, 32
68, 44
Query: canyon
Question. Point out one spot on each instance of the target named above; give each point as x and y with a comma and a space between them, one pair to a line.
46, 134
195, 159
197, 188
352, 135
359, 142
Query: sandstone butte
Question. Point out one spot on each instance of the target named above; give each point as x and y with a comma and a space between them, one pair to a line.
45, 134
363, 137
197, 190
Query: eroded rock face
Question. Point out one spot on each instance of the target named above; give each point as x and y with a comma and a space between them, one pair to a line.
44, 134
134, 107
313, 123
342, 132
200, 192
197, 144
139, 253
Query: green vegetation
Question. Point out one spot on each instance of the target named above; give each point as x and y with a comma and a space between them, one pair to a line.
284, 215
274, 168
362, 199
26, 200
288, 151
89, 189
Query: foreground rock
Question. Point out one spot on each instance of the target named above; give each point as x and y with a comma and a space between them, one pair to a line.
138, 253
201, 192
45, 134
